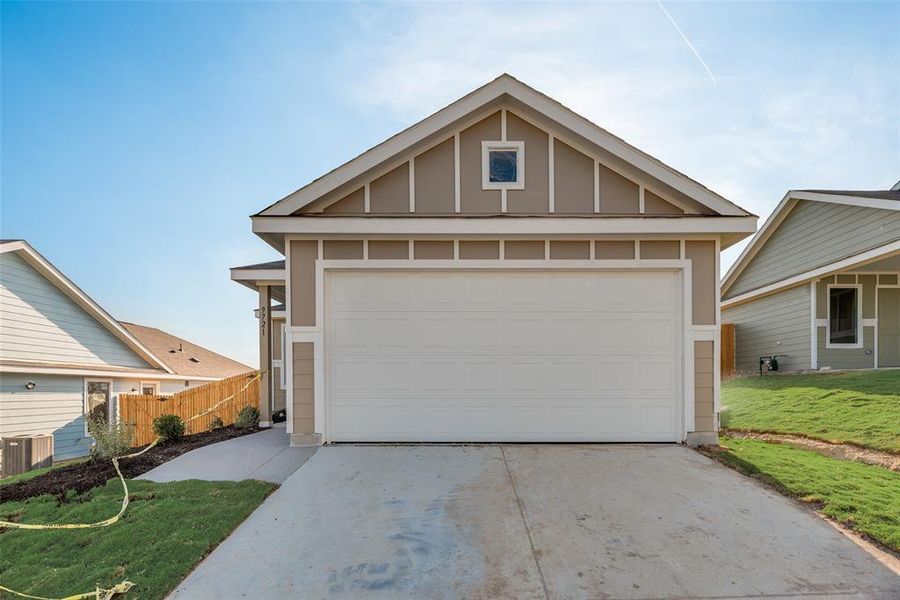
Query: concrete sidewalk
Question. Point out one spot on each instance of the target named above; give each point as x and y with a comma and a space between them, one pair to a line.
531, 522
266, 456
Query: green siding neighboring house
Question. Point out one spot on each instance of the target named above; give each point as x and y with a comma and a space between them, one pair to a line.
817, 285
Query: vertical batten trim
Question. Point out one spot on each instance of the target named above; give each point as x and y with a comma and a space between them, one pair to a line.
503, 125
456, 171
365, 249
682, 255
410, 250
552, 201
546, 249
641, 199
455, 249
503, 200
637, 249
368, 201
412, 184
596, 186
593, 251
502, 249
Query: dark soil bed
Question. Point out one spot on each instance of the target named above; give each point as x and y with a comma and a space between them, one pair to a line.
81, 477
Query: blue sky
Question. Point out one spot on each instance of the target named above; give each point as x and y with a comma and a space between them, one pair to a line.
137, 138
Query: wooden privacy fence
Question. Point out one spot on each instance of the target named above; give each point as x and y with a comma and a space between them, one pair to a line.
727, 364
140, 409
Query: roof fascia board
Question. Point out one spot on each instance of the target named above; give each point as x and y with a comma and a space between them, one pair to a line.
444, 118
849, 200
850, 262
502, 226
72, 291
258, 275
765, 232
88, 372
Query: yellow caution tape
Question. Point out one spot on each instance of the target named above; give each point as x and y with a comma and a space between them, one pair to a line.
115, 461
98, 594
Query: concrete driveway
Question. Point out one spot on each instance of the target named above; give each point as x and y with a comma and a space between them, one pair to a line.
530, 521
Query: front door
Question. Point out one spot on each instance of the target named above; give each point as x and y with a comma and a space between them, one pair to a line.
889, 327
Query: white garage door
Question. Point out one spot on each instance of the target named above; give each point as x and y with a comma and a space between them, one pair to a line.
503, 356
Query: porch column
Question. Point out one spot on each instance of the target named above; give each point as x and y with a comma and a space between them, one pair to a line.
265, 355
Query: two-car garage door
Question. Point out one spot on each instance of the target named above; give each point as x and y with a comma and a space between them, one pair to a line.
510, 355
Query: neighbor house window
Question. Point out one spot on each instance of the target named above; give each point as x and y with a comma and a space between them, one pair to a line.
97, 395
503, 165
844, 316
150, 389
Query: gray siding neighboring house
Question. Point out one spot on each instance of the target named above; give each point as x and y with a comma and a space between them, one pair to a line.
55, 340
777, 324
781, 291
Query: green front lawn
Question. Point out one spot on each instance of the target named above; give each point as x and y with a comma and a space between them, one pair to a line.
864, 497
861, 407
167, 529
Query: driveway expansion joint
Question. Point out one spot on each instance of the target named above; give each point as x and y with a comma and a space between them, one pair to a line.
521, 505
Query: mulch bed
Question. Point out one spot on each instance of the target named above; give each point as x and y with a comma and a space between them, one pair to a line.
84, 476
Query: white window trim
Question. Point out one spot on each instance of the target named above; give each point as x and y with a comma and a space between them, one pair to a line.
519, 148
154, 384
859, 315
84, 401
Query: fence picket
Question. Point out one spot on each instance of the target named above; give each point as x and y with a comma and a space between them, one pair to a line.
140, 409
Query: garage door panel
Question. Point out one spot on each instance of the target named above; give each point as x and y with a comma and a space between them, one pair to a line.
503, 356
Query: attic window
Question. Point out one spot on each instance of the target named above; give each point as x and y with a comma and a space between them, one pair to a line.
503, 165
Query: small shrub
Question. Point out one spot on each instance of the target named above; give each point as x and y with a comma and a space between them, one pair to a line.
247, 417
110, 440
216, 423
169, 428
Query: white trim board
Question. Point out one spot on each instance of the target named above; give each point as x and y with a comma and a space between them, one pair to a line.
494, 92
690, 333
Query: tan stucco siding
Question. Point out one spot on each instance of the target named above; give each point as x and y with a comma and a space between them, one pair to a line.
435, 180
353, 203
276, 338
705, 281
304, 392
524, 249
389, 194
342, 249
303, 282
472, 198
654, 205
535, 198
433, 249
704, 366
618, 195
660, 249
573, 180
479, 249
388, 249
570, 250
614, 250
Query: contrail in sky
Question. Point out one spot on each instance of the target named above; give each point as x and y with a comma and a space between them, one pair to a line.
687, 41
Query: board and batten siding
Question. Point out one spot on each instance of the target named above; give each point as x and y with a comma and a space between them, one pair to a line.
777, 324
816, 234
41, 323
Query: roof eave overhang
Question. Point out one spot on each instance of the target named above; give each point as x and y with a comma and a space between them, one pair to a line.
851, 262
734, 228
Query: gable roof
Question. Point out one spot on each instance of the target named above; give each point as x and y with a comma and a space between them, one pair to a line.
184, 357
876, 199
510, 87
67, 287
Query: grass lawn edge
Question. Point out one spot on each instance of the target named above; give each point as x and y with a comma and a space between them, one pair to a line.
725, 457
